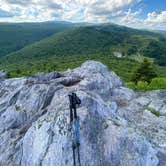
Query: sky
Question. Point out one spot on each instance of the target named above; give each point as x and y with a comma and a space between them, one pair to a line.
144, 14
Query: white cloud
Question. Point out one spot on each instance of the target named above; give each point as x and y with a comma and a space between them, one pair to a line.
106, 10
5, 14
131, 19
157, 17
88, 10
117, 11
154, 20
19, 2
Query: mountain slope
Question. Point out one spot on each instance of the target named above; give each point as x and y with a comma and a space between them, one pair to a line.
94, 40
70, 48
14, 36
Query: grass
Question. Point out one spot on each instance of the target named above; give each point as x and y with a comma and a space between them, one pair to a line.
123, 67
140, 58
152, 110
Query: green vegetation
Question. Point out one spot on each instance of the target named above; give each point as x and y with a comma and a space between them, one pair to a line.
122, 67
91, 40
145, 72
140, 58
156, 83
157, 50
152, 110
145, 78
70, 48
14, 36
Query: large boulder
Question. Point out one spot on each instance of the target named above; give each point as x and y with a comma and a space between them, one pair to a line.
117, 125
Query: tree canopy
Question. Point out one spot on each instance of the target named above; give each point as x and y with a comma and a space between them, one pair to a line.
145, 72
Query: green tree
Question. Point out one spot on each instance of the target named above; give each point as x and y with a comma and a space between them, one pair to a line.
132, 50
145, 72
18, 71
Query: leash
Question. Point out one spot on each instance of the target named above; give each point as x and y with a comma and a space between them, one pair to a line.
74, 121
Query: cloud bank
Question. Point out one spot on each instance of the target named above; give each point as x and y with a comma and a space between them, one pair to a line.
95, 11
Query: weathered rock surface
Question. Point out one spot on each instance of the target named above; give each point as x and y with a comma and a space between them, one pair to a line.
118, 127
3, 75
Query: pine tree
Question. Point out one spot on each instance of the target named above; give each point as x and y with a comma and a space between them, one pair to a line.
145, 72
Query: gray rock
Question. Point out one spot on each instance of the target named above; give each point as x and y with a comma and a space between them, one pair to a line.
43, 77
3, 75
117, 127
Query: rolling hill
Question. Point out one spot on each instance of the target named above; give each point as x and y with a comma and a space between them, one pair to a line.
95, 40
14, 36
70, 48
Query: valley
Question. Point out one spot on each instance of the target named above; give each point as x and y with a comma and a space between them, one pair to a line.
69, 45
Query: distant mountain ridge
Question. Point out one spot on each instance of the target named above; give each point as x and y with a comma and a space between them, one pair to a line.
63, 45
162, 31
14, 36
94, 39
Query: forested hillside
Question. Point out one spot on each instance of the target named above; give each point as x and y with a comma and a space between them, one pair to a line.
96, 40
72, 47
14, 36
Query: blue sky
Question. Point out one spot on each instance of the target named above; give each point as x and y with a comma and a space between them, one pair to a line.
145, 14
153, 5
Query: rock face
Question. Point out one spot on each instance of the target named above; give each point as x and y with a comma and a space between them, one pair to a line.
3, 75
118, 127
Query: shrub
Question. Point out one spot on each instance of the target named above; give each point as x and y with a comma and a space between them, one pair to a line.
153, 111
142, 86
131, 85
145, 72
158, 83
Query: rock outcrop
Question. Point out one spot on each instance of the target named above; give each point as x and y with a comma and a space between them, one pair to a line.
3, 75
118, 126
